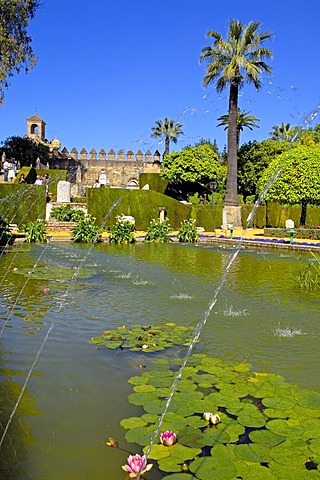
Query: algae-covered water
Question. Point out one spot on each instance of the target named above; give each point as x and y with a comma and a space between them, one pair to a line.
75, 395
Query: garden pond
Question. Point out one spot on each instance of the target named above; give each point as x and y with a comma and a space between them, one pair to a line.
256, 362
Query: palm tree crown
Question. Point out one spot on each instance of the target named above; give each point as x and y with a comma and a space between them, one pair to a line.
283, 132
232, 63
169, 129
243, 120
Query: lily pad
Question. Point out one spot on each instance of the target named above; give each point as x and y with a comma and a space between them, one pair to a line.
144, 338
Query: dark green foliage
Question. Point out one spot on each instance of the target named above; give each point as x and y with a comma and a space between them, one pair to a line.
36, 231
26, 151
66, 214
259, 220
22, 203
253, 158
207, 217
277, 214
158, 231
122, 231
16, 49
154, 180
188, 232
5, 236
86, 231
308, 233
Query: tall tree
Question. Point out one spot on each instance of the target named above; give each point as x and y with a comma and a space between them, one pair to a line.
234, 62
169, 129
25, 150
16, 53
284, 132
244, 120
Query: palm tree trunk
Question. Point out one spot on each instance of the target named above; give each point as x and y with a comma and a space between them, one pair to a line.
231, 198
167, 143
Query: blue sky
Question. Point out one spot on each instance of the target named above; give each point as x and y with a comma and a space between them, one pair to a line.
108, 70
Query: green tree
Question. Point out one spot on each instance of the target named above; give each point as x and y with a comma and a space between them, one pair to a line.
284, 132
299, 178
232, 63
195, 164
253, 159
25, 150
244, 120
169, 130
16, 53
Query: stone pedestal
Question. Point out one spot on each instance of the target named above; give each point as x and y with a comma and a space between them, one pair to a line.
231, 216
63, 192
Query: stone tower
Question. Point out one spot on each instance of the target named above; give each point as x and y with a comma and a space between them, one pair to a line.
36, 128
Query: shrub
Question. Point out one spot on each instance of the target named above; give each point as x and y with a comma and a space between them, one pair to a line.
66, 214
158, 231
86, 231
36, 231
122, 231
188, 231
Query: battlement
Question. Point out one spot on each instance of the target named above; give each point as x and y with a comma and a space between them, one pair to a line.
111, 156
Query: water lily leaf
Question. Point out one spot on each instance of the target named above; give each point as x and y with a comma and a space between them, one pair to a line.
140, 398
242, 367
184, 452
307, 398
213, 435
170, 464
142, 380
144, 388
281, 427
256, 420
278, 402
252, 453
290, 472
274, 413
140, 435
180, 476
288, 455
265, 437
207, 468
157, 406
157, 451
256, 472
192, 438
150, 418
132, 422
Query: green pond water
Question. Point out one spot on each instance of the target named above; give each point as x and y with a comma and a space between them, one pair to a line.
76, 394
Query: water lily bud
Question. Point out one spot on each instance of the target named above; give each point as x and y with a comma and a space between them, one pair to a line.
215, 419
46, 290
207, 416
168, 438
112, 442
145, 347
184, 468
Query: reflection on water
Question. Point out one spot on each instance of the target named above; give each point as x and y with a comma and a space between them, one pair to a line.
260, 316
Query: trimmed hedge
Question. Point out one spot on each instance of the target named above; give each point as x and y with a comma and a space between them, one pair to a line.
154, 181
259, 220
310, 233
22, 203
144, 206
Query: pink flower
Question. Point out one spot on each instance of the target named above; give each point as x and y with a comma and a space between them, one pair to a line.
136, 465
46, 290
168, 438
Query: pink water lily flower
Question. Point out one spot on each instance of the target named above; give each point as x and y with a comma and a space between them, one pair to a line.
168, 438
136, 465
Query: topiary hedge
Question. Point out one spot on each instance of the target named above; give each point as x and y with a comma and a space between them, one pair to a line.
309, 233
22, 203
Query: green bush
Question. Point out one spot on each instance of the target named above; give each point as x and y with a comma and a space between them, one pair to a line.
86, 231
158, 231
122, 231
188, 231
66, 214
36, 231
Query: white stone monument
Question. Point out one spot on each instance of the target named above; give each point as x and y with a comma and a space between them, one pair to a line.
63, 192
289, 224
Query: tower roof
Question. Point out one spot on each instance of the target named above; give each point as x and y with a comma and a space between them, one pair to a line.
35, 118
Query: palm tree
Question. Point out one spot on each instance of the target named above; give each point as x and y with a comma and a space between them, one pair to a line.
169, 129
233, 62
283, 132
243, 120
